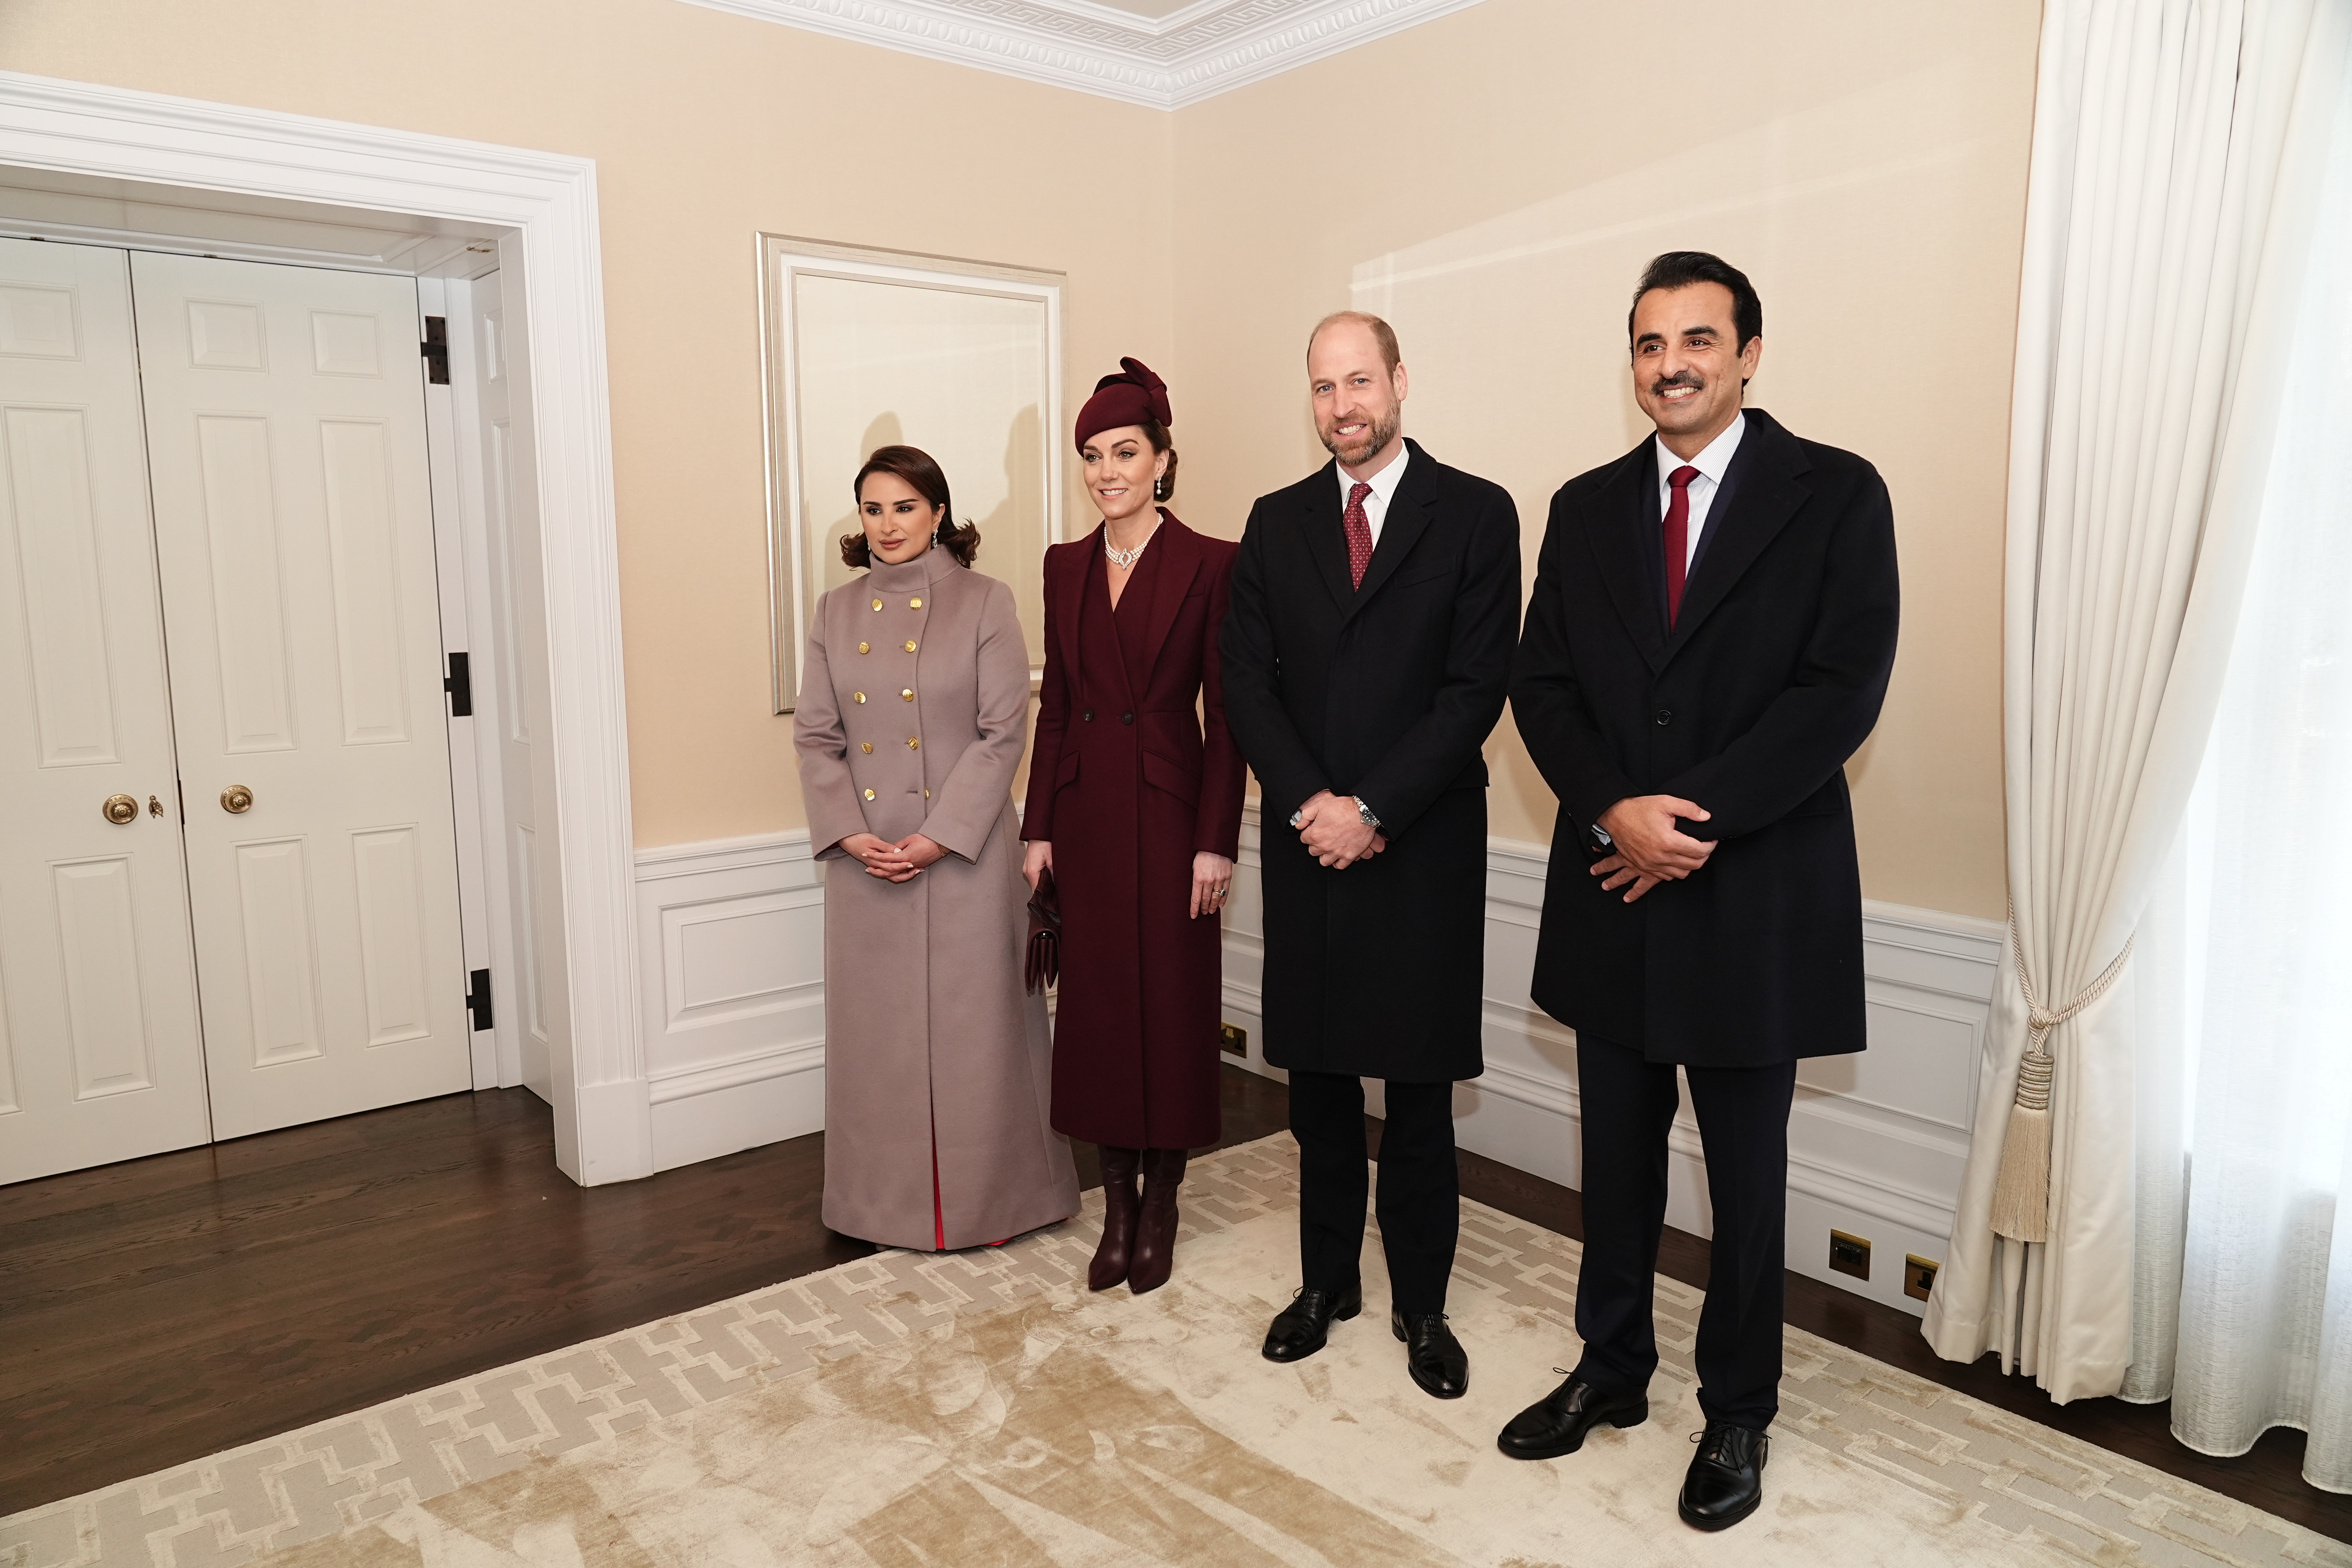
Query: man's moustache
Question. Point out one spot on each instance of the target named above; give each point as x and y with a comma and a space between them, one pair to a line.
1659, 388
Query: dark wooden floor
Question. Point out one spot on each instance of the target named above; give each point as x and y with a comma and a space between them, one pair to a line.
160, 1310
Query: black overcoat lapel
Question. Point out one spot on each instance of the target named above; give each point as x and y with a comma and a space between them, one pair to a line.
1761, 496
1327, 536
1407, 520
1622, 529
1178, 567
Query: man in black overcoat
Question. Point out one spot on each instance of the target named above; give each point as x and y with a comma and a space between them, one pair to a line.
1367, 654
1709, 640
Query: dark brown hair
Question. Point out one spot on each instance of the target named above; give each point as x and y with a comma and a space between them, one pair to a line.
1157, 434
923, 476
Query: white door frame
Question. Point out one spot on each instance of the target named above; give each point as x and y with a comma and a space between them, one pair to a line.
549, 199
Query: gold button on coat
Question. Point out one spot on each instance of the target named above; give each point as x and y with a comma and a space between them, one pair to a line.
910, 645
877, 604
863, 649
913, 744
859, 695
867, 746
869, 794
906, 696
914, 603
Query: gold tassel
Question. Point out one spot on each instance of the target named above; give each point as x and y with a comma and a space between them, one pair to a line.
2020, 1194
2020, 1191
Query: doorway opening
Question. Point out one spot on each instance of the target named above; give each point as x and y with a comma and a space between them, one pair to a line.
272, 510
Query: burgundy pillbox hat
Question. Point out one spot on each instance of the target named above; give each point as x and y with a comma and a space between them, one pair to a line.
1129, 397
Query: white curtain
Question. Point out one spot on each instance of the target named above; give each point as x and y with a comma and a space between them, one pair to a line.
2178, 154
2242, 1306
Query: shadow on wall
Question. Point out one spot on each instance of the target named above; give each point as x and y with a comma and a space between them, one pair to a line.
1012, 533
883, 432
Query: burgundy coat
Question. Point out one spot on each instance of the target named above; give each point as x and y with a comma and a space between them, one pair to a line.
1129, 781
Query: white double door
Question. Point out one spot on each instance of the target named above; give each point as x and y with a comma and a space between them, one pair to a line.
229, 893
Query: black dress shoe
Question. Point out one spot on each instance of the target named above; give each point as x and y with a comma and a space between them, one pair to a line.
1726, 1477
1432, 1354
1300, 1329
1558, 1422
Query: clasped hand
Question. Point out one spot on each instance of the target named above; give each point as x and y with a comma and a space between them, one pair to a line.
1336, 833
892, 862
1650, 848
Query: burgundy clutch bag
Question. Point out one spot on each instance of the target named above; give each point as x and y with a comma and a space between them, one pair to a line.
1044, 964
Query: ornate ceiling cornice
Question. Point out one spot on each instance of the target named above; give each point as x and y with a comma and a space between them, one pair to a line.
1207, 48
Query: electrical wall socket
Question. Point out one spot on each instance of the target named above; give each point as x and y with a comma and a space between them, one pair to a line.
1918, 1275
1233, 1041
1849, 1255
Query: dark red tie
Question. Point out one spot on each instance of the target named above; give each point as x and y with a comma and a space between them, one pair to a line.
1360, 532
1677, 539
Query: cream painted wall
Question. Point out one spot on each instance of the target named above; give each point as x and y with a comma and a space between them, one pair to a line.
706, 129
1493, 182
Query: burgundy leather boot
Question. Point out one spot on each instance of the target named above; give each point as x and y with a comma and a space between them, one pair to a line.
1155, 1232
1111, 1259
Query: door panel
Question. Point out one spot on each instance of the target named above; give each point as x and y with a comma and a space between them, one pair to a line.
100, 1056
286, 423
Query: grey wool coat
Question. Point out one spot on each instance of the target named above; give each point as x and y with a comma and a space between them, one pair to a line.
913, 711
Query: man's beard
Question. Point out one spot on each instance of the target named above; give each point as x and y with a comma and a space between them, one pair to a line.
1383, 431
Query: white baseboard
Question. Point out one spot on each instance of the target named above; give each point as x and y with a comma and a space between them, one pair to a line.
731, 941
732, 947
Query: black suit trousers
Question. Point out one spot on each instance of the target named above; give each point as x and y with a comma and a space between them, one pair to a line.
1420, 1194
1628, 1108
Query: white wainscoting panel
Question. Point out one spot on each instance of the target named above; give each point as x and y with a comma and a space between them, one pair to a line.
1876, 1142
732, 941
732, 935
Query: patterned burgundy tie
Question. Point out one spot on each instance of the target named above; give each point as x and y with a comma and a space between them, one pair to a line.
1360, 532
1677, 539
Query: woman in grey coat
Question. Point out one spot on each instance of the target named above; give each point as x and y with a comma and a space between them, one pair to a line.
913, 711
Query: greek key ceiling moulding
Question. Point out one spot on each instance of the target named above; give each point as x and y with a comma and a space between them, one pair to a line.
1192, 52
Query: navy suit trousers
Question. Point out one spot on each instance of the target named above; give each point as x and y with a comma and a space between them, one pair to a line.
1420, 1198
1627, 1107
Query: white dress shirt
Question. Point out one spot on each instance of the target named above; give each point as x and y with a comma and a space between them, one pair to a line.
1385, 484
1711, 464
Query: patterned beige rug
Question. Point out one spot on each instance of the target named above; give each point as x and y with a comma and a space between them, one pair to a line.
983, 1409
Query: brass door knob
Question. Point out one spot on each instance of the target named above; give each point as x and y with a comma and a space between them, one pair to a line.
120, 809
237, 799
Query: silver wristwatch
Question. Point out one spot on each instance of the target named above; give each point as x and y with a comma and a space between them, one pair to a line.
1362, 810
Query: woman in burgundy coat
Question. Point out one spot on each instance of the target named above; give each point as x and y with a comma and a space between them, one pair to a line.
1135, 806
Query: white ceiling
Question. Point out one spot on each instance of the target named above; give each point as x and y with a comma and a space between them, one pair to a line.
1161, 53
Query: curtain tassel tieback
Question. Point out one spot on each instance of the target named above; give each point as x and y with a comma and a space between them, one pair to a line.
2020, 1194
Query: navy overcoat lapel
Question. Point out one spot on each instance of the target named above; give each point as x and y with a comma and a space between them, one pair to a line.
1760, 495
1327, 536
1407, 520
1621, 529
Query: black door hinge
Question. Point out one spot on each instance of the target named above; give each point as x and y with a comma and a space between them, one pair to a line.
436, 349
459, 684
477, 997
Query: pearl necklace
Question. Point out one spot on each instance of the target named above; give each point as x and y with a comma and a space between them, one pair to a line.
1125, 560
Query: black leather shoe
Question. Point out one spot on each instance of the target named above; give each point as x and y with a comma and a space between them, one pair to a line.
1726, 1477
1300, 1329
1558, 1422
1432, 1354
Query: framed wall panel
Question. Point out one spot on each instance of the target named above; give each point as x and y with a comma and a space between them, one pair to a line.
867, 348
